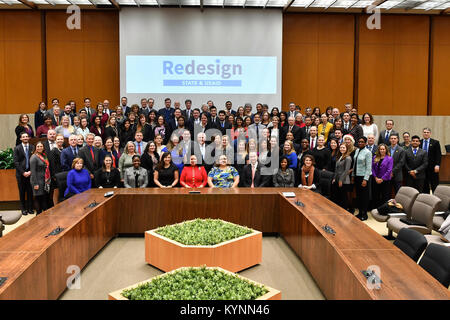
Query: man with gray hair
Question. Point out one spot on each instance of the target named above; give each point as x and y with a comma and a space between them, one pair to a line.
50, 143
90, 155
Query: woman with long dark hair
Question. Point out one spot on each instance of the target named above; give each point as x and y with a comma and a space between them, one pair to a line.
23, 126
149, 161
107, 176
40, 177
166, 174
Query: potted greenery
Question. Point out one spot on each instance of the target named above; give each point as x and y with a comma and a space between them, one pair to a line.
8, 189
198, 283
210, 242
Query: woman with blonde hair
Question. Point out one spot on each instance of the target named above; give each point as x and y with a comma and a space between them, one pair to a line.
382, 164
78, 179
289, 152
126, 159
324, 126
66, 129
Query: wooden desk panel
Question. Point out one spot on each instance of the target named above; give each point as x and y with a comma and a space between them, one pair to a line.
399, 274
334, 261
26, 273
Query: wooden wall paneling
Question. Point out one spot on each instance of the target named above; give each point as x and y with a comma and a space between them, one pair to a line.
318, 59
393, 66
441, 66
20, 61
91, 67
290, 225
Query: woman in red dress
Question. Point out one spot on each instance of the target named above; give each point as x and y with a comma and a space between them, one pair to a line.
193, 176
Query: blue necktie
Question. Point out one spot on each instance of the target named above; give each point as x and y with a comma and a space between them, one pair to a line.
27, 165
415, 151
425, 145
387, 136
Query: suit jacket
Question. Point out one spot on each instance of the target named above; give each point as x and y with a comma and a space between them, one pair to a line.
166, 113
374, 149
184, 113
143, 145
47, 147
384, 170
289, 113
259, 179
342, 169
67, 158
285, 180
226, 126
90, 112
20, 158
381, 138
399, 161
363, 163
434, 153
129, 177
296, 131
90, 164
417, 162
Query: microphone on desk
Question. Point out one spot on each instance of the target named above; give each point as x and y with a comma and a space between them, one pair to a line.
92, 205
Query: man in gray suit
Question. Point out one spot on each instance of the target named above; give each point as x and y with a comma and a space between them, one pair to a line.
416, 163
398, 155
386, 133
292, 112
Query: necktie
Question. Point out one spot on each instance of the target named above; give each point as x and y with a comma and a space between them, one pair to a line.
386, 138
346, 126
253, 175
222, 124
57, 121
27, 164
415, 151
257, 132
92, 154
425, 145
370, 148
74, 150
139, 148
312, 144
290, 128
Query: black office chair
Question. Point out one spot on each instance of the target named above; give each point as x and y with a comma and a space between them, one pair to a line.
326, 177
436, 261
411, 242
447, 148
61, 181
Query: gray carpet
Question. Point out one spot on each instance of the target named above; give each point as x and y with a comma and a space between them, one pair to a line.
121, 263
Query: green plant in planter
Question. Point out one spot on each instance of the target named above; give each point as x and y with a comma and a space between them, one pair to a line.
196, 284
7, 159
203, 232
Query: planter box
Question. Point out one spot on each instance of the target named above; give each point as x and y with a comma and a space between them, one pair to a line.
8, 185
233, 255
273, 294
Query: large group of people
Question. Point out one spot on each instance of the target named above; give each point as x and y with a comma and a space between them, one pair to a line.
142, 147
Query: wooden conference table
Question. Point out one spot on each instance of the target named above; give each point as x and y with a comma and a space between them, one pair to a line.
36, 266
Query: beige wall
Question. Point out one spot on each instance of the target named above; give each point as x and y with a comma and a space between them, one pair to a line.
413, 124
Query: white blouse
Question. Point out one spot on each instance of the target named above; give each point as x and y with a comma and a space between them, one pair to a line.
372, 129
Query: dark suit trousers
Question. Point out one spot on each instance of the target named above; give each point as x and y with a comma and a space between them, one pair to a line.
396, 185
431, 178
25, 193
362, 195
414, 183
380, 192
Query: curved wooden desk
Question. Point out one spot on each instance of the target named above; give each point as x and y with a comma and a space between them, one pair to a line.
36, 266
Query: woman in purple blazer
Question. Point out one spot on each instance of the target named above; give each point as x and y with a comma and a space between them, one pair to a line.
382, 164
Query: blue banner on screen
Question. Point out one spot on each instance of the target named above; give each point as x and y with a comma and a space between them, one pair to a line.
201, 74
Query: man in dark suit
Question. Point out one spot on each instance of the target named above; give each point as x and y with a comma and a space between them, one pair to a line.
69, 153
187, 113
291, 127
56, 117
213, 118
416, 163
307, 127
251, 175
50, 143
167, 111
398, 155
371, 144
173, 123
22, 154
228, 108
125, 108
386, 133
312, 138
433, 148
222, 124
90, 155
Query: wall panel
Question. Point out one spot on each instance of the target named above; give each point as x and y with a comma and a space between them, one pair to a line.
20, 61
83, 63
393, 66
441, 66
318, 59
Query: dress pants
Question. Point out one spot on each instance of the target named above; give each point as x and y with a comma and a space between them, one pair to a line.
362, 195
414, 183
380, 192
340, 195
396, 185
431, 178
25, 193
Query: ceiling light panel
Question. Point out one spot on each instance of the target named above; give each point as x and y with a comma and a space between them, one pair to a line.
343, 3
429, 5
321, 3
126, 2
277, 3
389, 4
188, 2
213, 2
301, 3
233, 3
362, 4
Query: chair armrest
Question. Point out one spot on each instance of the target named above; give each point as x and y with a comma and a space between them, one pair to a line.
439, 213
397, 214
421, 229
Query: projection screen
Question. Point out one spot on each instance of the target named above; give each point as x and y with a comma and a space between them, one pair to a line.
218, 54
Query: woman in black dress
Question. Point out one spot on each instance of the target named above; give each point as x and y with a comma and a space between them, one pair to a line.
126, 133
149, 161
166, 174
107, 176
321, 154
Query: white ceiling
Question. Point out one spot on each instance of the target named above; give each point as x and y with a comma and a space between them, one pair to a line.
413, 5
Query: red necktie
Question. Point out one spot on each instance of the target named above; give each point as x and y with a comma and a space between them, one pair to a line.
253, 176
312, 144
139, 148
92, 154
